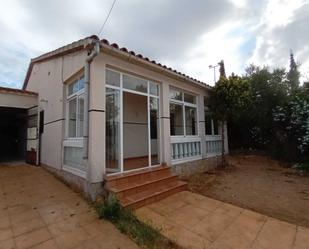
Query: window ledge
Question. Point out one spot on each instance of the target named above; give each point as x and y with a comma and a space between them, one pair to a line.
73, 142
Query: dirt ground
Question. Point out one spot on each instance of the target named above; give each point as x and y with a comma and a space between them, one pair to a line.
260, 184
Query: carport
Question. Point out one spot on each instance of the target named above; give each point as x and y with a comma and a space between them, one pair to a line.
18, 125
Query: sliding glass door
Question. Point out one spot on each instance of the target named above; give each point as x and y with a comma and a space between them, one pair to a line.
132, 122
135, 131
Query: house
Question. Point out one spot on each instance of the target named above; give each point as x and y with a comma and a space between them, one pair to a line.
107, 114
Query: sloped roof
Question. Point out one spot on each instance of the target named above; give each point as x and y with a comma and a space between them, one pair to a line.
105, 44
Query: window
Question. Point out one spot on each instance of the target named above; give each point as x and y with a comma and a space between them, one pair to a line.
134, 83
190, 114
153, 88
75, 105
76, 86
176, 115
183, 113
211, 124
112, 78
73, 156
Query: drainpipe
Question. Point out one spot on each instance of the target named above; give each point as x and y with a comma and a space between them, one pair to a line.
94, 52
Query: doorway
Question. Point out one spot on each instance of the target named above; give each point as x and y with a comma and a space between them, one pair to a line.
132, 123
13, 134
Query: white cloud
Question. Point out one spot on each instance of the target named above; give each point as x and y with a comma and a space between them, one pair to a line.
283, 27
213, 46
183, 34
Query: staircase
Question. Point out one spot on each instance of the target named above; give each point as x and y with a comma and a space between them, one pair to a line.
142, 187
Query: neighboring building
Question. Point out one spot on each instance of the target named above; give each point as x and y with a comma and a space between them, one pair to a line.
18, 122
134, 113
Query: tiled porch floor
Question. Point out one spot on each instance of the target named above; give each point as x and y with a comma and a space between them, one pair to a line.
196, 221
38, 211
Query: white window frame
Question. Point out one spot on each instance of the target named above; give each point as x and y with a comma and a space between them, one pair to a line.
183, 105
75, 95
122, 89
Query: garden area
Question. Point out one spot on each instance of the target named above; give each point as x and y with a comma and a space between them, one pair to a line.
258, 183
267, 112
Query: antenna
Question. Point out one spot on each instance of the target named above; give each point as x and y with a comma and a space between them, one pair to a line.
110, 11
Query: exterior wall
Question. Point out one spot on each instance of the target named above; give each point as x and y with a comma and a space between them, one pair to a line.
17, 100
78, 184
47, 79
197, 166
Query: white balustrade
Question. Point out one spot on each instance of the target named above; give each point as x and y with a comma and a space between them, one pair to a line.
213, 145
185, 149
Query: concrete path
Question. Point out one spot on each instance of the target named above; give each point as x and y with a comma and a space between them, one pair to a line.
195, 221
38, 211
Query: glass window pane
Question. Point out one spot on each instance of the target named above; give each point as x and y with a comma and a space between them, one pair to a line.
208, 129
75, 86
112, 78
189, 98
73, 156
134, 83
154, 130
72, 118
176, 117
112, 130
72, 88
135, 131
81, 83
153, 88
175, 94
216, 127
80, 115
191, 125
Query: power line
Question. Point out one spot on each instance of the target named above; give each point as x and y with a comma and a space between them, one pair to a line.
110, 11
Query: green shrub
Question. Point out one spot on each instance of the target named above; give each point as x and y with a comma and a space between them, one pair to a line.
125, 220
110, 210
304, 166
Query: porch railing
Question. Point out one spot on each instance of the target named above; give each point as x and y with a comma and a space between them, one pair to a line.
213, 145
185, 149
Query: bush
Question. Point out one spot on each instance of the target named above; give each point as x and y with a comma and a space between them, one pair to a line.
110, 210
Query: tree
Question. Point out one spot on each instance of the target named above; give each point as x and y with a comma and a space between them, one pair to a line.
293, 74
228, 98
222, 69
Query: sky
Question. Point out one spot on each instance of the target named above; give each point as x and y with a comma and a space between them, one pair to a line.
185, 35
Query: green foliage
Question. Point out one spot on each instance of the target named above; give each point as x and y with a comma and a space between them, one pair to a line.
303, 166
125, 220
229, 97
293, 74
276, 119
111, 210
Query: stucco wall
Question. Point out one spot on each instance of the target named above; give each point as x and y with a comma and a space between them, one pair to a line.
47, 80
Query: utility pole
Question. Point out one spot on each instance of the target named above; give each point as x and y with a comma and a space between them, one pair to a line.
214, 68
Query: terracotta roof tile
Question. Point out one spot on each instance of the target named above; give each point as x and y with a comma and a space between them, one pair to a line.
74, 45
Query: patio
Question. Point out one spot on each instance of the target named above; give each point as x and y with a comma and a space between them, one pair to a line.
196, 221
39, 211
